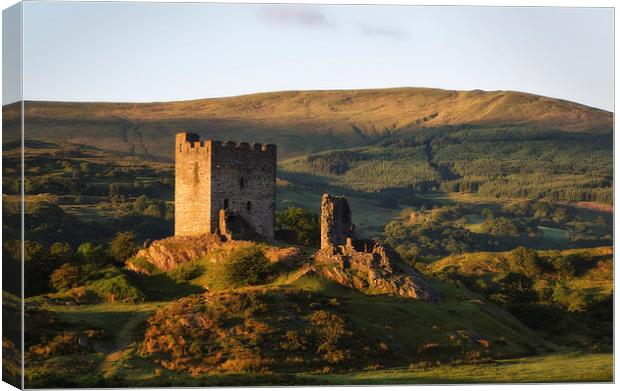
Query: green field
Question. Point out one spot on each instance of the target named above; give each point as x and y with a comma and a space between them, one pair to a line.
553, 368
554, 234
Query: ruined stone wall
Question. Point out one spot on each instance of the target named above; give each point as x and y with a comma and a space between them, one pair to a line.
362, 264
211, 175
336, 223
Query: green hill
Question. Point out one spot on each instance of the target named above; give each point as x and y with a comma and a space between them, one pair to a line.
566, 296
284, 328
283, 323
298, 121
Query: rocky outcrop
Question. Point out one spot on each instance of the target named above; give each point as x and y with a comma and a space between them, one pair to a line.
167, 253
286, 255
378, 271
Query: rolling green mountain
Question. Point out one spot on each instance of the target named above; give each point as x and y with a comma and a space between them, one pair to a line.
299, 122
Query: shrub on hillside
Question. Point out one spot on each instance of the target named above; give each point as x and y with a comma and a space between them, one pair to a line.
570, 265
244, 266
123, 246
66, 277
513, 288
186, 272
61, 344
92, 253
118, 289
62, 252
302, 225
526, 261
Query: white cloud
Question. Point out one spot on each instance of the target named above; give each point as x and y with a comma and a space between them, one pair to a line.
383, 32
294, 15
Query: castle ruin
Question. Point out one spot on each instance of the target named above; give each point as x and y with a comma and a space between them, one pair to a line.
224, 188
336, 225
362, 264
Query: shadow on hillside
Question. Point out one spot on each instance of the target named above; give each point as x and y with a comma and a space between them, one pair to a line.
160, 287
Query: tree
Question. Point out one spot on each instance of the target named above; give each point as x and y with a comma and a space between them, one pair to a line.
501, 227
123, 246
91, 253
61, 252
65, 277
560, 215
568, 266
153, 210
514, 288
85, 167
33, 251
487, 214
409, 254
525, 260
303, 224
140, 203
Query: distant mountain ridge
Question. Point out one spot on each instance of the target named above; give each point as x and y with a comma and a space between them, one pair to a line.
299, 122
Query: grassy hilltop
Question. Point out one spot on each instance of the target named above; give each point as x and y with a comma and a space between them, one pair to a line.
299, 121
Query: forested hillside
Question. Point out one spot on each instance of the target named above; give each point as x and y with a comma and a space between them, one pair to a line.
497, 162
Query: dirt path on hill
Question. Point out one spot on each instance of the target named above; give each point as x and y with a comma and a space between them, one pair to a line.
122, 344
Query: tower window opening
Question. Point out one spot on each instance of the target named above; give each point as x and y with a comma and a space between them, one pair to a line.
248, 205
226, 203
242, 183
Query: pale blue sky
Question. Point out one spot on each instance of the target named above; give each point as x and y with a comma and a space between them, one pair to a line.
162, 52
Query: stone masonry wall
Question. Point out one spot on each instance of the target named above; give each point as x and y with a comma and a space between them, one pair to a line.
211, 175
243, 179
336, 223
192, 186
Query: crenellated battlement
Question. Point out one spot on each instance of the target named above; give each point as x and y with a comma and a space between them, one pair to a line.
190, 142
213, 175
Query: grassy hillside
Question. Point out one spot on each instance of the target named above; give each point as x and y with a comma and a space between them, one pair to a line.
566, 296
298, 121
280, 326
282, 330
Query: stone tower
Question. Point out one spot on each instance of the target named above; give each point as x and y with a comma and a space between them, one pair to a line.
217, 181
336, 224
